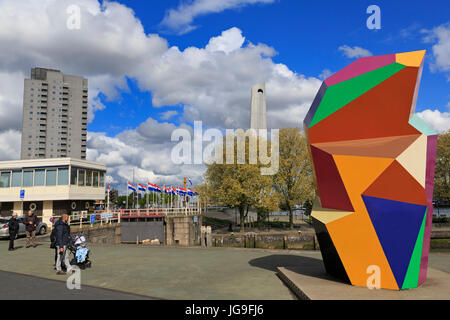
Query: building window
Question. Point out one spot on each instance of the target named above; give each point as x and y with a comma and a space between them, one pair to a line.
28, 178
88, 178
16, 179
5, 179
50, 179
81, 177
73, 176
102, 180
95, 179
63, 176
39, 177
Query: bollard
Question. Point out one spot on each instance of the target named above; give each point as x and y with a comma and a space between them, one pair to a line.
284, 242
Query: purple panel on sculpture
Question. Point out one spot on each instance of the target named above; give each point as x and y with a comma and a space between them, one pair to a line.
359, 67
315, 104
429, 182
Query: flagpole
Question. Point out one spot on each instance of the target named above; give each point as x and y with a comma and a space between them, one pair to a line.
127, 195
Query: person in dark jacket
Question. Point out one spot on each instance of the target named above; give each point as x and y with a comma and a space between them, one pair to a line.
31, 221
13, 227
62, 241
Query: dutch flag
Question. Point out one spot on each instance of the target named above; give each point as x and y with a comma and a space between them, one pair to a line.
142, 188
189, 179
131, 187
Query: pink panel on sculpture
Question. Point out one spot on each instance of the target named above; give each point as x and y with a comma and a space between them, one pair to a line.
359, 67
429, 182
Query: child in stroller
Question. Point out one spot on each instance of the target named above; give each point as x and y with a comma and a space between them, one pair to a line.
80, 250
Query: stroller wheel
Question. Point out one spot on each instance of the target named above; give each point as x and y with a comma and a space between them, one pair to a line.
88, 264
82, 266
73, 262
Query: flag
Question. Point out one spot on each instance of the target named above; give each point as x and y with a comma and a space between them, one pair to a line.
131, 187
142, 188
189, 179
173, 191
181, 192
153, 187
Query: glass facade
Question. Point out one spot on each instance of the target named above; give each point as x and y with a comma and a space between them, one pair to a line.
39, 177
52, 177
28, 178
81, 174
63, 177
16, 179
88, 178
73, 176
95, 179
5, 178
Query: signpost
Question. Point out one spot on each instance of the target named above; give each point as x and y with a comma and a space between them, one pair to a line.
22, 196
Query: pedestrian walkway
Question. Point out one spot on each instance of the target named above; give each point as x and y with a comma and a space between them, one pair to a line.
24, 287
177, 273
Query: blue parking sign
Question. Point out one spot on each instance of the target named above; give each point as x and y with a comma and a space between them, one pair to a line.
22, 194
92, 218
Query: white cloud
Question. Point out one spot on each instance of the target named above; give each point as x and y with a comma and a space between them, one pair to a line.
355, 52
168, 114
10, 145
180, 20
440, 36
229, 41
439, 121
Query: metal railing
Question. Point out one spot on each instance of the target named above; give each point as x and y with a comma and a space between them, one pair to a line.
83, 218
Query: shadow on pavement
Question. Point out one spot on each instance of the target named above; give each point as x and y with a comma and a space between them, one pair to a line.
303, 265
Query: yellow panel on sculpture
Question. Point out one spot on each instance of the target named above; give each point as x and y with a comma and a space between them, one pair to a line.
325, 215
414, 159
410, 59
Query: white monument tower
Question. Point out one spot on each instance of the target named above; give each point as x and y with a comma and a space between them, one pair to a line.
258, 116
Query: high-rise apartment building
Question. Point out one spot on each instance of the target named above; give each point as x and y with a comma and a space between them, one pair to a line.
258, 113
54, 121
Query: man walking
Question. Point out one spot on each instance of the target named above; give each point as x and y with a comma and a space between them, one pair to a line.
13, 227
62, 241
31, 221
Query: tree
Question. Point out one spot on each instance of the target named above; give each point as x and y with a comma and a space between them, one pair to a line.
204, 194
442, 171
240, 186
294, 181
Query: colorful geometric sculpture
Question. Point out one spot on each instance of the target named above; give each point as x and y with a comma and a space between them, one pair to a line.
373, 162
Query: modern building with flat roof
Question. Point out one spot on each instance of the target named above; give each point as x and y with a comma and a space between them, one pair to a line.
54, 120
50, 187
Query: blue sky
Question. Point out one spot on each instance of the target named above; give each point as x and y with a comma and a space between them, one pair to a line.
306, 36
159, 65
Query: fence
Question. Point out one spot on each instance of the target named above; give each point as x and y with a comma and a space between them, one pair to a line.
82, 218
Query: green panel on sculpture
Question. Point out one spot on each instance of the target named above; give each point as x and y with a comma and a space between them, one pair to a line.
412, 275
342, 93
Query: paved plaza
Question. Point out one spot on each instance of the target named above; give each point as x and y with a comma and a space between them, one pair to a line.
165, 272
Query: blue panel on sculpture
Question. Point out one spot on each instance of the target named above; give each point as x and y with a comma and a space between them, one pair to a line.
397, 225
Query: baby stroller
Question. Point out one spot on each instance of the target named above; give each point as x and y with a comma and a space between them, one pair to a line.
80, 250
